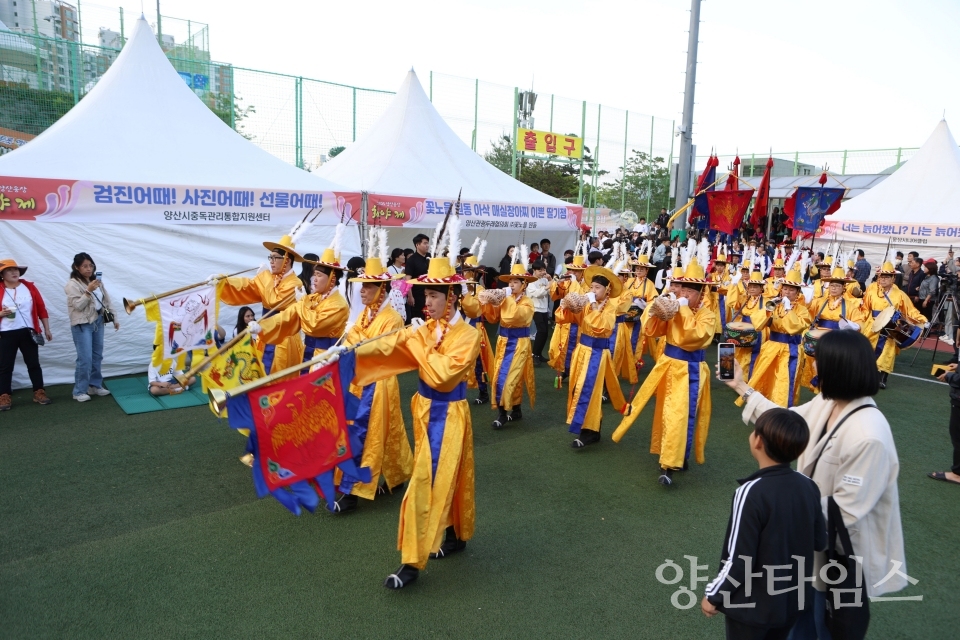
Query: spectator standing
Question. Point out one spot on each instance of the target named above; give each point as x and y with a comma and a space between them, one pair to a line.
86, 310
775, 521
549, 260
22, 313
416, 266
539, 293
861, 269
927, 292
952, 378
506, 261
397, 260
663, 218
898, 268
913, 277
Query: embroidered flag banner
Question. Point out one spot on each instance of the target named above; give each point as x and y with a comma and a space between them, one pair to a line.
809, 205
185, 322
727, 208
238, 365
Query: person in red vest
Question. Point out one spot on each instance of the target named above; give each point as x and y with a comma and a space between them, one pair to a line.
21, 314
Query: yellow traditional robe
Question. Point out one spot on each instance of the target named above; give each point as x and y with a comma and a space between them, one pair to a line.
750, 310
630, 339
874, 301
268, 290
323, 317
776, 373
473, 311
825, 313
441, 489
591, 367
386, 449
680, 375
564, 339
513, 361
720, 298
772, 288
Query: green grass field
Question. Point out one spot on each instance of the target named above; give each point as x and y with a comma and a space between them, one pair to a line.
147, 526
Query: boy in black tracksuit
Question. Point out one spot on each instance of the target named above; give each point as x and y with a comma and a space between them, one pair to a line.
776, 515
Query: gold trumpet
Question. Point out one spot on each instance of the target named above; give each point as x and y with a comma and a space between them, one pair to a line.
772, 303
130, 305
219, 397
197, 368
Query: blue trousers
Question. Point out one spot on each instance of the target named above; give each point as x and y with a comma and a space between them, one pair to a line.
88, 339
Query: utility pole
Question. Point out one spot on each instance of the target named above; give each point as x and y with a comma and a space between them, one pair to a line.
686, 126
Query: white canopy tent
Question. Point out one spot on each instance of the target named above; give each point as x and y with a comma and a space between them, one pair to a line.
141, 175
411, 157
914, 208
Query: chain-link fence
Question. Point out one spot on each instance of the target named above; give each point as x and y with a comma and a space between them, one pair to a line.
812, 163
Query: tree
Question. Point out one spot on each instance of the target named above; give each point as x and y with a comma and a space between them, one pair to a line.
222, 105
335, 151
560, 180
643, 179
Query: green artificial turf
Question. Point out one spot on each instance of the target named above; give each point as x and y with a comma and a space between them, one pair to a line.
146, 525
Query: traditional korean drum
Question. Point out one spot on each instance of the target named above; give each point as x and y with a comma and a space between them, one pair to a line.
897, 328
810, 339
742, 334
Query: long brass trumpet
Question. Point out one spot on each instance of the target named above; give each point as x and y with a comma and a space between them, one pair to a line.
130, 305
772, 303
219, 397
197, 368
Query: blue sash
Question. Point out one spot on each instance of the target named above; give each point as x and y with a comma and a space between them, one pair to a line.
439, 407
597, 347
512, 336
519, 332
268, 353
693, 360
571, 345
316, 344
595, 343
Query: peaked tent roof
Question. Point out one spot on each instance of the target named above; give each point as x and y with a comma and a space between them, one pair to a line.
925, 189
142, 123
411, 151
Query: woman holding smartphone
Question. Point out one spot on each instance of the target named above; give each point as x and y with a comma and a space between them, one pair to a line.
88, 304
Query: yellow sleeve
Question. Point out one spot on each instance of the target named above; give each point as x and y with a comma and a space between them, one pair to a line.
758, 317
240, 291
599, 324
388, 356
692, 331
445, 370
329, 318
910, 311
795, 321
515, 314
491, 312
558, 289
470, 305
279, 326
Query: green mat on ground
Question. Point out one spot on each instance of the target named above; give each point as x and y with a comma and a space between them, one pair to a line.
132, 396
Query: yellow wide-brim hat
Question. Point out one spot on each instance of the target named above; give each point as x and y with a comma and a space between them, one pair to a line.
838, 275
329, 260
373, 271
887, 269
517, 272
793, 278
578, 263
286, 245
439, 273
694, 274
616, 287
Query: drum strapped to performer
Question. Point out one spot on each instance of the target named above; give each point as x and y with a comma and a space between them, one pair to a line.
810, 339
742, 334
892, 324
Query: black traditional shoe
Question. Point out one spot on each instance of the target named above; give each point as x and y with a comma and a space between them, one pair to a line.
515, 415
586, 437
604, 398
383, 490
401, 577
666, 477
883, 379
345, 503
451, 544
501, 420
482, 399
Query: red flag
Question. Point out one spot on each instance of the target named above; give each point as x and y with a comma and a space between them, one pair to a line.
705, 181
301, 427
727, 208
732, 181
763, 196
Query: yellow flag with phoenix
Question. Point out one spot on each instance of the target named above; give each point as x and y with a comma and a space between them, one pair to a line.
238, 365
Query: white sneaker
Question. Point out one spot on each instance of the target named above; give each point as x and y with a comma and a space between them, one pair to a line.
98, 391
81, 398
946, 339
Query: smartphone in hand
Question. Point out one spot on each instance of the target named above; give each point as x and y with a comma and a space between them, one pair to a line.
725, 356
98, 276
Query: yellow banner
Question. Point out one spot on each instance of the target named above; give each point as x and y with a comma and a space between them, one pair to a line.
546, 142
238, 365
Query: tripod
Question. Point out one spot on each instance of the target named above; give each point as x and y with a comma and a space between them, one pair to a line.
948, 306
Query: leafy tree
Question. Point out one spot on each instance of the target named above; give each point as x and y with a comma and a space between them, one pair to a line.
335, 151
32, 110
555, 179
223, 104
644, 178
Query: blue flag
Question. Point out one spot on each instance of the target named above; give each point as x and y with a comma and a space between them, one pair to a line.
812, 204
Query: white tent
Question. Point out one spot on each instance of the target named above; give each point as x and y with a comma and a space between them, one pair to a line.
412, 163
914, 208
144, 177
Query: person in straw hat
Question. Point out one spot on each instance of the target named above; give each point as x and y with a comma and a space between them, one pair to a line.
513, 360
620, 351
591, 365
879, 296
271, 288
775, 372
773, 282
378, 425
638, 292
478, 378
22, 316
720, 278
750, 309
564, 340
835, 310
680, 378
438, 510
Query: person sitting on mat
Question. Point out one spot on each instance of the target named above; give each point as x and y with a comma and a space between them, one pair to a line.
165, 383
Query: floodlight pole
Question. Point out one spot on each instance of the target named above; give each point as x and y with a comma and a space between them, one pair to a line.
686, 128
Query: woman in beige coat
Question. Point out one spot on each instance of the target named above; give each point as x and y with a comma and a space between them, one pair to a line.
86, 301
855, 464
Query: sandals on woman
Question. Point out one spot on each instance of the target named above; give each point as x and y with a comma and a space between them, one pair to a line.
941, 475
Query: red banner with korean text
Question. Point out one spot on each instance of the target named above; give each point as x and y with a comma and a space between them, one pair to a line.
425, 213
727, 208
56, 200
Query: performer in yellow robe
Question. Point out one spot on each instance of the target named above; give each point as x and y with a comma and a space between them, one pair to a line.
478, 377
833, 311
621, 353
379, 422
513, 360
564, 340
680, 379
273, 289
878, 296
737, 290
775, 371
321, 315
638, 293
820, 286
772, 287
591, 367
750, 309
438, 511
720, 277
